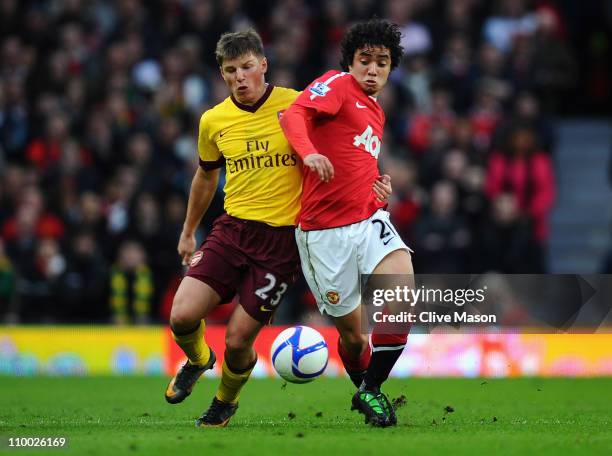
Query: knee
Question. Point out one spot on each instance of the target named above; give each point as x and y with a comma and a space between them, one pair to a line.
182, 316
355, 343
235, 342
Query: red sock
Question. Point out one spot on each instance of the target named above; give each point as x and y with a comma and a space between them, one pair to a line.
387, 349
355, 365
388, 339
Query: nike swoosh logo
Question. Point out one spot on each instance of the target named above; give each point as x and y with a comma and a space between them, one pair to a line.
359, 105
222, 134
263, 308
388, 240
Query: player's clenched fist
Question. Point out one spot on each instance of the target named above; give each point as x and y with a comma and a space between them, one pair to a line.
321, 165
186, 247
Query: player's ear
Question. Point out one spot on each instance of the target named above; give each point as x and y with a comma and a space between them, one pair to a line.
222, 74
264, 65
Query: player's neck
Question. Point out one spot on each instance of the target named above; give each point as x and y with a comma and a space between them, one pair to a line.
259, 101
260, 94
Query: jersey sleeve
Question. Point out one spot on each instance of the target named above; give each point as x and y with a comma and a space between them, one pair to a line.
297, 125
325, 95
210, 156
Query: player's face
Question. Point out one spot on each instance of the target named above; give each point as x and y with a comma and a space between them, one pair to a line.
371, 67
245, 77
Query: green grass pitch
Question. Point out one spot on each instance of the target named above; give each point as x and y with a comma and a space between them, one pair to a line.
116, 416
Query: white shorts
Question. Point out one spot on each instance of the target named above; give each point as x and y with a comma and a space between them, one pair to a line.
333, 259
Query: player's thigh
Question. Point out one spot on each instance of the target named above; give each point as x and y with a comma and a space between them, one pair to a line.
213, 276
330, 266
395, 262
193, 300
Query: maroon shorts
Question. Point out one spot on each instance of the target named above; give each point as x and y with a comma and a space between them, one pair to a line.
254, 260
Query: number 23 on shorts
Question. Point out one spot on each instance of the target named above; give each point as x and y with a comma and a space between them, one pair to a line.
271, 293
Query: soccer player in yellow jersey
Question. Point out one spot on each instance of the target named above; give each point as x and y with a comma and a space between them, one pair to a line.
251, 249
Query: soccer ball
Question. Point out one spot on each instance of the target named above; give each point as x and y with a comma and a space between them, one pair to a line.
299, 354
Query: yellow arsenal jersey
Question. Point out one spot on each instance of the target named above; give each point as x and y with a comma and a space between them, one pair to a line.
263, 174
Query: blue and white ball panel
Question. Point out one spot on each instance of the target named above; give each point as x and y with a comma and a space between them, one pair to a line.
299, 354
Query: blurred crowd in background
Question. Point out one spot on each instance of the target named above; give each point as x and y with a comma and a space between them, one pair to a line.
100, 103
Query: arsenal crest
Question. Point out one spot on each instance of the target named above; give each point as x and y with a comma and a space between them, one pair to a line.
195, 259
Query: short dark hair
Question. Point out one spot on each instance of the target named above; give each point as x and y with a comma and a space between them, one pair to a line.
375, 32
232, 45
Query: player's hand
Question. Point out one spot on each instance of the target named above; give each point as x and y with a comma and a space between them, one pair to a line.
321, 165
382, 188
186, 247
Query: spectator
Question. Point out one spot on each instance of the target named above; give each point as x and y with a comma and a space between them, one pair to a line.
463, 139
14, 125
554, 68
507, 243
442, 234
510, 22
32, 219
457, 70
526, 172
40, 283
416, 38
458, 19
46, 151
491, 71
131, 285
473, 201
168, 263
526, 111
441, 118
406, 200
83, 291
7, 286
416, 78
486, 113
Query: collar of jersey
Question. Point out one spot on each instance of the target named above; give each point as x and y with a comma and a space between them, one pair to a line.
257, 105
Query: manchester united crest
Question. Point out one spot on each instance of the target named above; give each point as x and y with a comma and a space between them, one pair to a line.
333, 297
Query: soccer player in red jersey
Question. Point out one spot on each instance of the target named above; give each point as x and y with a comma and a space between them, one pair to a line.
336, 126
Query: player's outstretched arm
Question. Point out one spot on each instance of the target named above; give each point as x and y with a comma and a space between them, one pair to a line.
296, 123
203, 188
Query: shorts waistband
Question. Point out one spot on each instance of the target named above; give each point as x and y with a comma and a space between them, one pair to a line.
258, 225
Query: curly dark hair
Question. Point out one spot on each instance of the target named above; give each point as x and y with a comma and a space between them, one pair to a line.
375, 32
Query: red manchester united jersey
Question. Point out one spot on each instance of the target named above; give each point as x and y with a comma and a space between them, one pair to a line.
347, 127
